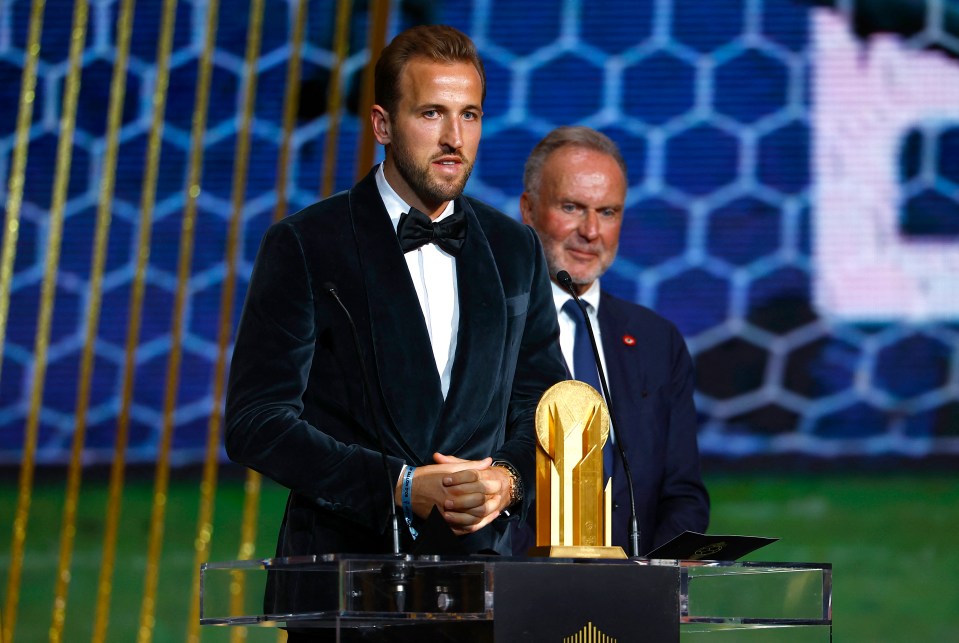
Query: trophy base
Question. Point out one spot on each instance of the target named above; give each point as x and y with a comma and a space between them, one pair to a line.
576, 551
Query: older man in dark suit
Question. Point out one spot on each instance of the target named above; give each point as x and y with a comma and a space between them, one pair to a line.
574, 197
456, 332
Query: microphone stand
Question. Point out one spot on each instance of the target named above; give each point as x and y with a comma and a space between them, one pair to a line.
396, 573
330, 288
567, 282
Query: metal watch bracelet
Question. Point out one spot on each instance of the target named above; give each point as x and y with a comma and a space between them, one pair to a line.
515, 482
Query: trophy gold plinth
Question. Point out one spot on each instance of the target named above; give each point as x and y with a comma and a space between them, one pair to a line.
573, 497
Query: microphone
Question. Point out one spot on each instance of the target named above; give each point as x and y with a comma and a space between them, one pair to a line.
330, 289
567, 282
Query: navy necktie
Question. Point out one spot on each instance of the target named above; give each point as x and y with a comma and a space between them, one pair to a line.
584, 367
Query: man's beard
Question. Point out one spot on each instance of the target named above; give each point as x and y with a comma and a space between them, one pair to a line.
553, 263
425, 185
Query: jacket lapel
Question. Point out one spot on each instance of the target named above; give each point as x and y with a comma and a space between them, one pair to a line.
477, 364
405, 369
613, 328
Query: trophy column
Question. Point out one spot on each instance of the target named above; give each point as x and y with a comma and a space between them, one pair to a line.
573, 496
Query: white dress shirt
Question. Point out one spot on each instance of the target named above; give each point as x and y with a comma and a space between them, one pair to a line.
433, 271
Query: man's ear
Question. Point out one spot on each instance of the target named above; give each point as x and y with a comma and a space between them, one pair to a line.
381, 124
526, 208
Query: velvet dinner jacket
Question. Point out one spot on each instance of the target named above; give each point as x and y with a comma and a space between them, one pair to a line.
650, 379
296, 409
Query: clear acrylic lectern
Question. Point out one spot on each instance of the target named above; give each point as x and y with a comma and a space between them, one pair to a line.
528, 599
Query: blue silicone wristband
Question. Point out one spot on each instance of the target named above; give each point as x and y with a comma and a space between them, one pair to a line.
407, 494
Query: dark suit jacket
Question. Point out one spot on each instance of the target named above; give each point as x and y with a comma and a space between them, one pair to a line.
650, 377
296, 409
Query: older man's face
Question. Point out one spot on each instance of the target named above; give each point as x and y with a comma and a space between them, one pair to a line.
578, 212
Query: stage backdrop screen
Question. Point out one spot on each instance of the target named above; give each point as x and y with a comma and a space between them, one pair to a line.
793, 203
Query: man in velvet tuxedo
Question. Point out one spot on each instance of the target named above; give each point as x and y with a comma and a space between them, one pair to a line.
574, 197
456, 332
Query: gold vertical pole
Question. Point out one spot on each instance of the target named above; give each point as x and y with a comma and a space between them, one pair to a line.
11, 227
253, 485
251, 504
290, 101
147, 204
225, 330
334, 102
11, 230
68, 529
379, 19
187, 237
61, 181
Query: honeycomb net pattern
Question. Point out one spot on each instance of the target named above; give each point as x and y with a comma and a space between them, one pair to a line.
712, 104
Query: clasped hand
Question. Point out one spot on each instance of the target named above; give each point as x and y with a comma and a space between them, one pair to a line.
469, 493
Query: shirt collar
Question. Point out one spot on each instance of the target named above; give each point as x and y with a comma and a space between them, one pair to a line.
395, 205
561, 295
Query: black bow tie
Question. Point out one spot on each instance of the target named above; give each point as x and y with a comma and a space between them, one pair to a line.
415, 229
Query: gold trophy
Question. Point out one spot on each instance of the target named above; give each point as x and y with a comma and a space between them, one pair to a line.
573, 497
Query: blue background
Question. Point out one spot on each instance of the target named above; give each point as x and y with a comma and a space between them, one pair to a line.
710, 102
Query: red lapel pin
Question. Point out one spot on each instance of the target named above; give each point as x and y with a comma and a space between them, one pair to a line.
629, 340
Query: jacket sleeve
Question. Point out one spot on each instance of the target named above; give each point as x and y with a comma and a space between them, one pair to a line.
269, 374
683, 500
